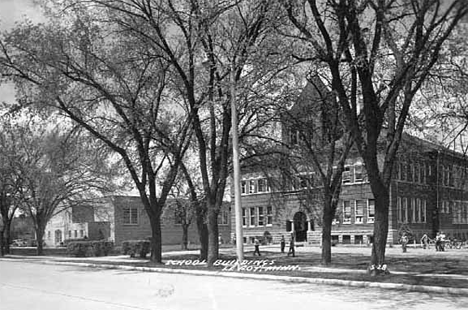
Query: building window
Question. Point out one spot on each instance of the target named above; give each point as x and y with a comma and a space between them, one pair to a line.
253, 217
243, 187
409, 176
130, 216
81, 233
263, 186
405, 210
370, 211
399, 210
244, 217
422, 173
346, 212
413, 209
359, 211
223, 218
346, 175
76, 234
358, 175
269, 216
252, 187
455, 212
48, 234
69, 234
417, 218
261, 217
402, 171
423, 211
416, 173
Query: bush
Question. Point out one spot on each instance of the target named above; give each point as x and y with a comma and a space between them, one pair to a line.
267, 237
134, 247
89, 248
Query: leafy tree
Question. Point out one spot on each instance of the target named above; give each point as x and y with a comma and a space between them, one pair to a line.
211, 48
89, 68
59, 169
10, 184
317, 147
377, 55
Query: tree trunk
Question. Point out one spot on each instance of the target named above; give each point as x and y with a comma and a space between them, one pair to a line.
40, 242
202, 232
7, 237
213, 243
380, 225
327, 219
185, 236
156, 240
2, 249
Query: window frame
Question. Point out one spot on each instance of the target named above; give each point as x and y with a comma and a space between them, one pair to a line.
133, 217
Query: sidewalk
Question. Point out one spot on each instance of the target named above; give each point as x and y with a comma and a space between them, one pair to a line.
348, 268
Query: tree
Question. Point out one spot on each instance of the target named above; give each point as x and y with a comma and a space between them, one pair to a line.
210, 47
10, 184
184, 205
317, 148
377, 55
89, 68
59, 169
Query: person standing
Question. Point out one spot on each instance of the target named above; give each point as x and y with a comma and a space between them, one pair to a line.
404, 242
283, 244
424, 241
291, 247
257, 247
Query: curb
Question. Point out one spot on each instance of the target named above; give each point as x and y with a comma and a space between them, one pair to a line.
252, 276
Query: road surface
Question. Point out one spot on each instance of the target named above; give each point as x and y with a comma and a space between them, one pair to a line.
31, 286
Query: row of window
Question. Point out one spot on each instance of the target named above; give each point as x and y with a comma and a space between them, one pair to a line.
71, 234
354, 211
411, 210
254, 186
459, 210
450, 176
257, 216
353, 174
223, 217
130, 217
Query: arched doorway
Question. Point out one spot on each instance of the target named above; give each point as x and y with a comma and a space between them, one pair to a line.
300, 226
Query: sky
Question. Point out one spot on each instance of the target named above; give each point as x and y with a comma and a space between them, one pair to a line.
12, 11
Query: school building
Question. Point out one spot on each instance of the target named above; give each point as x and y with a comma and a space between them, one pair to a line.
428, 193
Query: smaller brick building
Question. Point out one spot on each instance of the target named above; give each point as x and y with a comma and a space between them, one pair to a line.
119, 218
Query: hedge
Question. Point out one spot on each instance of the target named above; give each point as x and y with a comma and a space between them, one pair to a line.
134, 247
89, 248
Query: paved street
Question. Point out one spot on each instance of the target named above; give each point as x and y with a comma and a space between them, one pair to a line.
52, 287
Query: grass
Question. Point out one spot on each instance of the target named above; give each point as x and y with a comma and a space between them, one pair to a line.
417, 267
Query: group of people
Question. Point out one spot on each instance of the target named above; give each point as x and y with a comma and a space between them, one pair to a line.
291, 251
440, 240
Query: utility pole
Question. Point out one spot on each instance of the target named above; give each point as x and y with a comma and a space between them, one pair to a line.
236, 167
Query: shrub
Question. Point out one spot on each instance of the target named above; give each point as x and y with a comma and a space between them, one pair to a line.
267, 238
136, 247
89, 248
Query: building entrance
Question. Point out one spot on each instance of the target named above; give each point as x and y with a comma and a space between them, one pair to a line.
300, 226
58, 236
